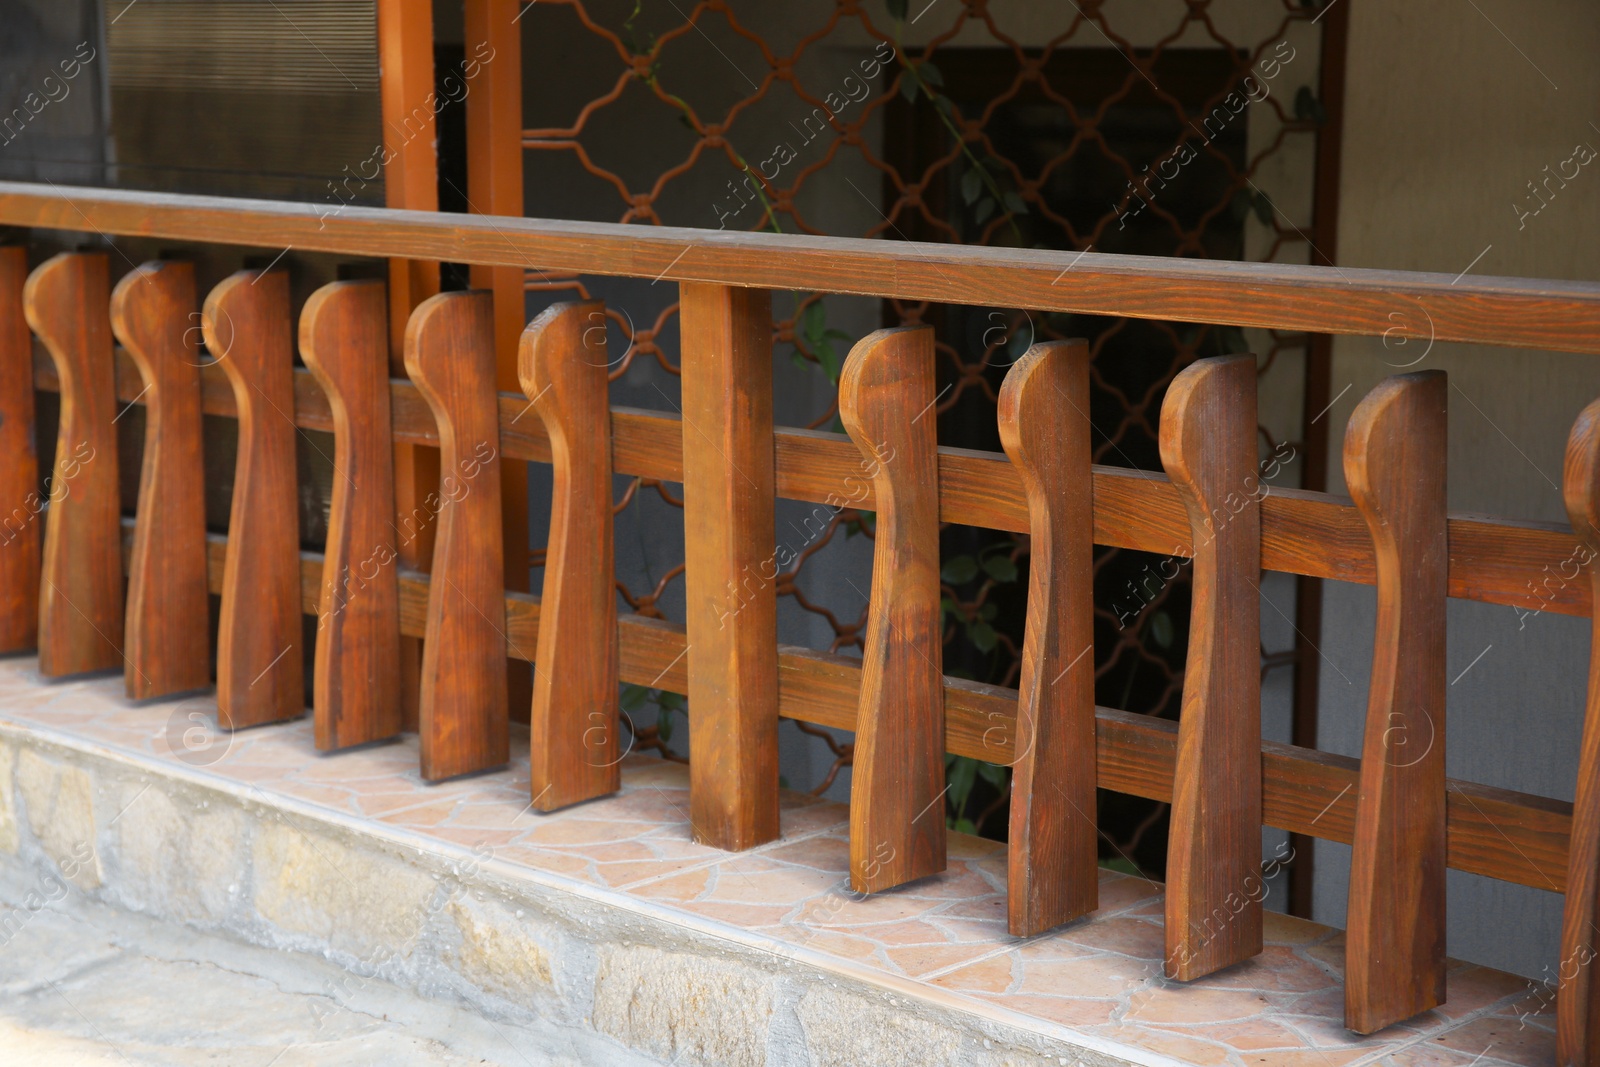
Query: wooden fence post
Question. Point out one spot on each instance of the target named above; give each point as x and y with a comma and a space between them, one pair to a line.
20, 506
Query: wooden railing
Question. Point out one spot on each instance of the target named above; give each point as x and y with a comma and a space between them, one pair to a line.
1405, 820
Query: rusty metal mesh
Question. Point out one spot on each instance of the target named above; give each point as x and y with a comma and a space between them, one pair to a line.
952, 171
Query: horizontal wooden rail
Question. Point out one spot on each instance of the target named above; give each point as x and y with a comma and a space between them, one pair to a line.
1563, 316
1529, 566
1506, 835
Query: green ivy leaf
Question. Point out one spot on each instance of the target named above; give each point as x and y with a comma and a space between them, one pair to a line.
672, 702
988, 612
959, 570
1000, 568
897, 9
1162, 632
813, 323
664, 725
908, 86
1015, 204
983, 636
828, 359
930, 73
948, 608
1117, 863
964, 826
992, 773
1263, 208
633, 697
971, 185
960, 773
985, 209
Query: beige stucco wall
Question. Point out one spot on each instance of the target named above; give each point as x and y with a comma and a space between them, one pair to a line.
1449, 116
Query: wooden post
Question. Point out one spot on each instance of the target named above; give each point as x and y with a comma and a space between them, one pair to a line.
493, 75
1214, 889
260, 662
886, 400
410, 180
450, 354
66, 301
168, 618
357, 685
1578, 994
1394, 464
729, 489
20, 505
1053, 856
576, 749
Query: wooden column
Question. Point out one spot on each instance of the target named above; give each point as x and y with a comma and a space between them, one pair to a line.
260, 662
66, 301
729, 489
1214, 890
410, 180
493, 76
357, 685
20, 505
1394, 465
576, 747
886, 400
450, 354
168, 619
1053, 856
1578, 993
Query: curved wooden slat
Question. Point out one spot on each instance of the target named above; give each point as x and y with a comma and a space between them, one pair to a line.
1578, 992
886, 402
730, 583
449, 352
20, 506
575, 730
260, 662
1394, 463
1214, 891
167, 623
66, 301
1053, 856
356, 688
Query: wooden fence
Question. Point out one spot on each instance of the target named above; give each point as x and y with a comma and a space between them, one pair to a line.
63, 593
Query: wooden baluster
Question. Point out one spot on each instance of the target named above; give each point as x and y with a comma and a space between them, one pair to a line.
20, 505
1578, 994
575, 744
1214, 890
1394, 465
729, 494
1053, 858
260, 665
66, 301
356, 690
168, 617
450, 355
886, 398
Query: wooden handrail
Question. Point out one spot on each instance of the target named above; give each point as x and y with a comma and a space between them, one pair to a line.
1557, 315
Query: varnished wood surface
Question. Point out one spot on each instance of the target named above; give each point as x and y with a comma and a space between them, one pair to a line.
1394, 463
356, 697
152, 314
1578, 992
21, 506
730, 558
67, 303
897, 813
260, 659
1494, 560
1214, 889
462, 711
576, 747
1053, 854
1563, 316
1506, 835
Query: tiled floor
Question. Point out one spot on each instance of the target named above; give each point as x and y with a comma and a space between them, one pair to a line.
1100, 976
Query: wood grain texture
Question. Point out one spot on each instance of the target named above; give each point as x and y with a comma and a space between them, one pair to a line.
20, 504
886, 402
462, 714
575, 729
1394, 463
260, 660
1053, 872
1518, 312
1578, 993
356, 688
168, 611
729, 553
1214, 890
1493, 560
66, 301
